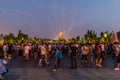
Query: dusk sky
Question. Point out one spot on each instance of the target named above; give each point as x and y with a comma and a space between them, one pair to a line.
46, 18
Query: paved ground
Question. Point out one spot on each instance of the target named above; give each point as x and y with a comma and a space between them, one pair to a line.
28, 70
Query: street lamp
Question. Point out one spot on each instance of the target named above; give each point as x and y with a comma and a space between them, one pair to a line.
22, 39
88, 39
105, 36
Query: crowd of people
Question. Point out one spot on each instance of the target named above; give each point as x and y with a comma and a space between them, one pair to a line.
88, 53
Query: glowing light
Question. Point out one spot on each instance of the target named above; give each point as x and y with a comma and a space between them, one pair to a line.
22, 38
105, 35
60, 36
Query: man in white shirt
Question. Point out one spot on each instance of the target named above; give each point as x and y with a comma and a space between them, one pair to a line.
26, 52
84, 50
43, 55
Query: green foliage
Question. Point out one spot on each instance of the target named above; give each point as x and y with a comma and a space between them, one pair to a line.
21, 37
10, 38
90, 36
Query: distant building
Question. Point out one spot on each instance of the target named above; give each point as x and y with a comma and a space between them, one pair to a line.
60, 35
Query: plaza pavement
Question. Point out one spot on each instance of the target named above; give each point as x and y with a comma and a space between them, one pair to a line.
28, 70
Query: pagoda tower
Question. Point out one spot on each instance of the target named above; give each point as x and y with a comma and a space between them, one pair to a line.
60, 35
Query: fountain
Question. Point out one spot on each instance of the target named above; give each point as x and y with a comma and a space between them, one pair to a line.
114, 37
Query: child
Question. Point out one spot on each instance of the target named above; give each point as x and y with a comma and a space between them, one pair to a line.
3, 69
58, 57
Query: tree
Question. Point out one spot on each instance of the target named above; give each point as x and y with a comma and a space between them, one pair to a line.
105, 36
1, 39
78, 38
10, 38
90, 36
21, 37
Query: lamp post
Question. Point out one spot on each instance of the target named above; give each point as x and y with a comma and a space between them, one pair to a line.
22, 39
88, 39
105, 36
